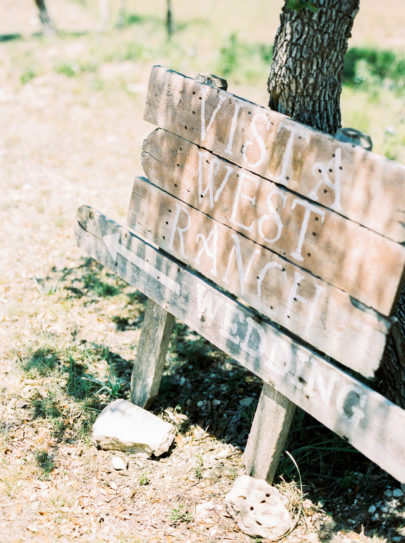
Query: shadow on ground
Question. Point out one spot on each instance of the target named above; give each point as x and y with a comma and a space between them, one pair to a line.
220, 396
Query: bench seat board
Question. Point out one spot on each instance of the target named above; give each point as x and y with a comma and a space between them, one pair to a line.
322, 315
365, 418
341, 252
356, 183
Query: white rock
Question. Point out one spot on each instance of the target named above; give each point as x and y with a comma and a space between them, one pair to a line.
124, 426
118, 463
258, 508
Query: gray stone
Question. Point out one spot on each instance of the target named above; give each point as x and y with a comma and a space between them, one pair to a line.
123, 426
258, 508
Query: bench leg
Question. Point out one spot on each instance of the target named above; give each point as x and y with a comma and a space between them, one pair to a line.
153, 343
268, 434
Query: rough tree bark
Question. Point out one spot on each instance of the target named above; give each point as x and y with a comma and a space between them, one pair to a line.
44, 16
391, 375
305, 83
305, 80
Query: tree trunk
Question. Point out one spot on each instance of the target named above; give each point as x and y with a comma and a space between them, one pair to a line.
391, 375
305, 83
305, 78
44, 16
169, 19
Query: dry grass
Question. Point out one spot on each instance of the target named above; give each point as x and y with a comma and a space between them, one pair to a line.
71, 116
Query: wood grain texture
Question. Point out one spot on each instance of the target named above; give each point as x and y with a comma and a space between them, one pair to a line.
268, 434
322, 315
349, 408
363, 186
343, 253
151, 354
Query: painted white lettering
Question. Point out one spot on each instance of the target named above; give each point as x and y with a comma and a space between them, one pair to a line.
302, 364
297, 254
325, 385
211, 252
180, 230
262, 275
259, 140
324, 171
228, 150
274, 215
280, 357
229, 171
294, 130
213, 169
294, 297
254, 343
208, 305
313, 307
231, 317
239, 194
237, 254
204, 95
353, 411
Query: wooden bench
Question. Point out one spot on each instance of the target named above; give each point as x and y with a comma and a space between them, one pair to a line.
280, 245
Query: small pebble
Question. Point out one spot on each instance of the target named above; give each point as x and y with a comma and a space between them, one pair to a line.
397, 493
118, 463
372, 509
245, 402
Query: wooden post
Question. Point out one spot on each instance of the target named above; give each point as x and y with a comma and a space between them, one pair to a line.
268, 434
151, 354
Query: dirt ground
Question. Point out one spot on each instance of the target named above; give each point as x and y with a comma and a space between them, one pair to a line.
71, 134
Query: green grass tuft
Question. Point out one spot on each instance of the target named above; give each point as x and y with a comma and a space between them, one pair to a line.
45, 462
180, 514
42, 362
27, 75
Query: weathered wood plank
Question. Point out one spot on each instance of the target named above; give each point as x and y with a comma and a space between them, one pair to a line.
151, 354
268, 434
356, 183
322, 315
349, 408
340, 251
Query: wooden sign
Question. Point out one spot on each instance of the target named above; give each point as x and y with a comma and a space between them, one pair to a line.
319, 240
349, 408
355, 183
321, 314
289, 231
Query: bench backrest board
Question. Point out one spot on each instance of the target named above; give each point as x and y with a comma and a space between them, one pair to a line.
275, 219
